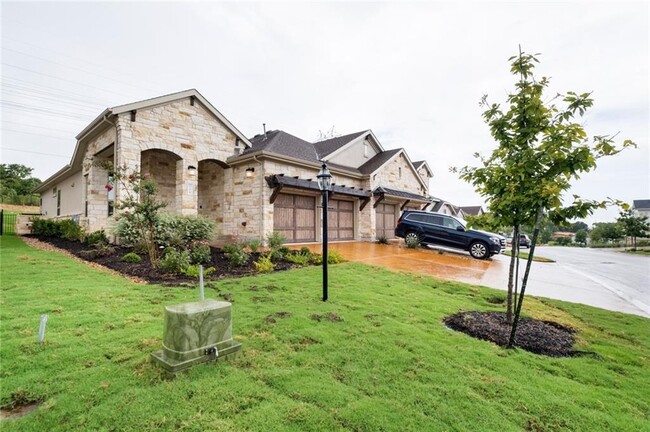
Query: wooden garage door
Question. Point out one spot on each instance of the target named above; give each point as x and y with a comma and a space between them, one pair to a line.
386, 220
295, 217
340, 220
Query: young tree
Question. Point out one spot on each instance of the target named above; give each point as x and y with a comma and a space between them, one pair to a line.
139, 204
581, 236
541, 150
606, 231
633, 226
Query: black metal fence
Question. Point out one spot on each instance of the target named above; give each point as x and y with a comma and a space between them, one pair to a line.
7, 223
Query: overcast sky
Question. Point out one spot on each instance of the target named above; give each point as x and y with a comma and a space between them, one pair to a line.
412, 72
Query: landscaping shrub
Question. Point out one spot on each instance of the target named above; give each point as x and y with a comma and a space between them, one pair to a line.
236, 255
132, 258
96, 237
275, 240
102, 250
316, 259
298, 257
182, 231
200, 253
305, 250
45, 227
193, 271
264, 265
564, 241
382, 240
254, 245
334, 257
128, 233
70, 230
175, 261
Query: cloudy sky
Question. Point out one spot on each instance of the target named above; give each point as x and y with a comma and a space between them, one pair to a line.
412, 72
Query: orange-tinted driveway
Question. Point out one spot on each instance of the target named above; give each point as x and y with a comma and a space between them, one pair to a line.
447, 265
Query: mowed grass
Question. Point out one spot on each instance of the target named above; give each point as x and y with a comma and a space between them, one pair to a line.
524, 256
389, 365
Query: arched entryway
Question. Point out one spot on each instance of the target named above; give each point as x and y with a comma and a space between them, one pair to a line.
164, 168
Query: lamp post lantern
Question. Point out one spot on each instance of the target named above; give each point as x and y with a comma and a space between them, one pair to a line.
325, 185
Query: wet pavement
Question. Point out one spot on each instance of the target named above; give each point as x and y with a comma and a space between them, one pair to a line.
597, 277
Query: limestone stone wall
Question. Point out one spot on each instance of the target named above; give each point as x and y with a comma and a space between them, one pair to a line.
397, 174
160, 167
211, 192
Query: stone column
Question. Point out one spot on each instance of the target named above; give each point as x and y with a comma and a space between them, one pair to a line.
187, 194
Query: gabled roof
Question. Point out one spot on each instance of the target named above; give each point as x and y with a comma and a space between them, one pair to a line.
472, 210
419, 165
641, 204
103, 118
329, 146
377, 161
283, 143
162, 100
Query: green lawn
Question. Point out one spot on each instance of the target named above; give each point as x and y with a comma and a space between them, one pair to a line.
389, 365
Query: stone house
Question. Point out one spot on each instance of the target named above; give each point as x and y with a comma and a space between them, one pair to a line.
250, 187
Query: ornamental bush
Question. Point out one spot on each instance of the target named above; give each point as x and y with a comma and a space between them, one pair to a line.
45, 227
200, 253
175, 261
182, 231
264, 265
132, 258
70, 230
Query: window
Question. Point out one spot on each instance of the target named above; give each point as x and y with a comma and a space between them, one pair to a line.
85, 194
58, 203
365, 150
399, 170
436, 220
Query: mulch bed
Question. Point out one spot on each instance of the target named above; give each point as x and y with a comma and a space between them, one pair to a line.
539, 337
145, 272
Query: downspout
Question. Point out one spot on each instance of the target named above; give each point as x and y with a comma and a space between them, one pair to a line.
261, 198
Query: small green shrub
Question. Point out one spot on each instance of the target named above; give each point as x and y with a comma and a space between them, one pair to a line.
45, 227
564, 241
103, 249
264, 265
254, 245
181, 231
316, 259
298, 258
305, 250
334, 257
275, 240
236, 255
175, 261
193, 271
132, 258
127, 231
70, 230
382, 240
96, 237
200, 253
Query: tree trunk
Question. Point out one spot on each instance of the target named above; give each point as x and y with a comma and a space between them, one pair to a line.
511, 272
531, 254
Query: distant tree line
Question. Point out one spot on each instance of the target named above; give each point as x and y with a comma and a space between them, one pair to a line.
17, 185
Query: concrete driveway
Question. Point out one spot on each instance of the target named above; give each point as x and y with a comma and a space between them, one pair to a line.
579, 275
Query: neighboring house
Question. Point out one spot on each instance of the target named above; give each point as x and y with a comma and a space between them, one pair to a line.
250, 187
642, 207
472, 210
445, 207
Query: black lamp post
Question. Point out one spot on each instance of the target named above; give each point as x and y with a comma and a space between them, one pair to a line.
325, 185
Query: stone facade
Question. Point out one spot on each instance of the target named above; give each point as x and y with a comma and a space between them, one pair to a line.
189, 152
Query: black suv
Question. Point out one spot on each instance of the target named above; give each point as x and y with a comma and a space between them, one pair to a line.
445, 230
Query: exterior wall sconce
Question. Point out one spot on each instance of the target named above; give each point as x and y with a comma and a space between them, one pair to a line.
250, 172
191, 170
325, 185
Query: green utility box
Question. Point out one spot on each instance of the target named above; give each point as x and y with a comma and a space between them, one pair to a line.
195, 333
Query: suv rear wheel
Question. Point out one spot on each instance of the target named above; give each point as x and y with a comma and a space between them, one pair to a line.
479, 250
412, 237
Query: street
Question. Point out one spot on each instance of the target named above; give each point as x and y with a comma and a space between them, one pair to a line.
604, 278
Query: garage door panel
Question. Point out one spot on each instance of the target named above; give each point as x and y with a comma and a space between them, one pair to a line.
385, 220
294, 216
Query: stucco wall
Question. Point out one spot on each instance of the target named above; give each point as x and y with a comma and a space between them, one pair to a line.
71, 191
355, 155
